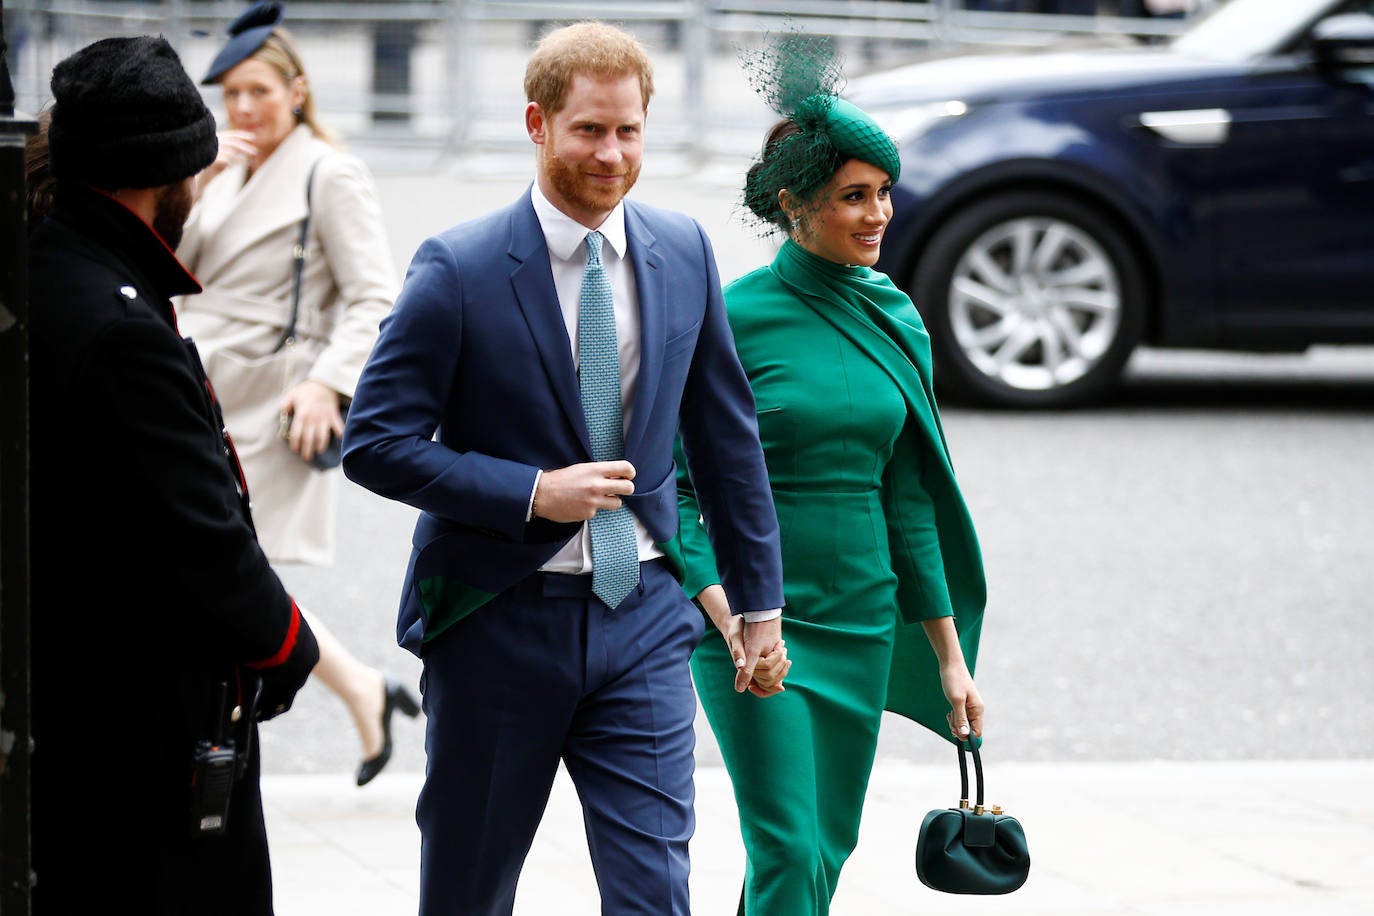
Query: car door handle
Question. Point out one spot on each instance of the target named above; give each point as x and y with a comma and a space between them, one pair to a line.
1193, 127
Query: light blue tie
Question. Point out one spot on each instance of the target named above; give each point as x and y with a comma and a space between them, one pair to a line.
615, 555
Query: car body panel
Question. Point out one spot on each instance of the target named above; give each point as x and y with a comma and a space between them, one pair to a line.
1250, 201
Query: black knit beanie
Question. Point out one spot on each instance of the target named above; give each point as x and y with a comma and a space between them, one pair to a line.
126, 115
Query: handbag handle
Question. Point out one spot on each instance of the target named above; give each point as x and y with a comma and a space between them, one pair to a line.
288, 333
963, 776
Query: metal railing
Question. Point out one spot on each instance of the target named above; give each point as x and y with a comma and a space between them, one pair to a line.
447, 73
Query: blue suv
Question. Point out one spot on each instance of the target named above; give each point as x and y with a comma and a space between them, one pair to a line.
1056, 210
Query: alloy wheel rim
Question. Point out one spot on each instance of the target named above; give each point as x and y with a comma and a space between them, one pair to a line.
1035, 303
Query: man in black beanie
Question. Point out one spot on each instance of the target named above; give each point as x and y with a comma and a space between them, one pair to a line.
160, 633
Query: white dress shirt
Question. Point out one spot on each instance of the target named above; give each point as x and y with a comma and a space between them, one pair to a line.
566, 240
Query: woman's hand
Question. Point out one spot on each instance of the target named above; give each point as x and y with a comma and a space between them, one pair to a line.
235, 146
313, 410
965, 704
772, 666
731, 626
965, 715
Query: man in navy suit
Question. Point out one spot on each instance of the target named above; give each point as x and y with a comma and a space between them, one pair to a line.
524, 664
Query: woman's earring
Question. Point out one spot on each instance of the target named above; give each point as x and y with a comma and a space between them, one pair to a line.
298, 113
796, 224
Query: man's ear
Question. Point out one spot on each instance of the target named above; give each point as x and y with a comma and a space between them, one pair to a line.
536, 124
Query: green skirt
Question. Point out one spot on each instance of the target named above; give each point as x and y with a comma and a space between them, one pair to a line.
800, 761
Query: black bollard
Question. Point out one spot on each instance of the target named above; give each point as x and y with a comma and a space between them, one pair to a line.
16, 873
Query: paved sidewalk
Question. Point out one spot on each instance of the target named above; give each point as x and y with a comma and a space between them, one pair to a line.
1173, 839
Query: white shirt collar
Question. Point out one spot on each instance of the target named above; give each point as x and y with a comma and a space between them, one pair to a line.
564, 235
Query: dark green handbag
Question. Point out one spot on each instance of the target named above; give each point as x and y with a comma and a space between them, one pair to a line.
974, 850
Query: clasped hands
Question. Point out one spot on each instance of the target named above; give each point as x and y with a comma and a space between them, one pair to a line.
759, 651
577, 492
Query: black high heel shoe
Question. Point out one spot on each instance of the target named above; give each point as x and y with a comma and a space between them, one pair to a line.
397, 697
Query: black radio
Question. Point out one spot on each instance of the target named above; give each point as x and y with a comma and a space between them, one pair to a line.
217, 764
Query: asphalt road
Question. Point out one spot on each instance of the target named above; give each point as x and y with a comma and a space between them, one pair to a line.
1181, 573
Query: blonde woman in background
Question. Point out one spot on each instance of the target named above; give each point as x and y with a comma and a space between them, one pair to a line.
283, 400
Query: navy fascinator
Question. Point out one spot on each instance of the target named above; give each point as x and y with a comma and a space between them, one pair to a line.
246, 35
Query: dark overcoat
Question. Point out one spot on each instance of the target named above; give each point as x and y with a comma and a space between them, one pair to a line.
149, 590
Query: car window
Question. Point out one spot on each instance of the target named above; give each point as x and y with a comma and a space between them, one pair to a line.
1245, 29
1364, 74
1351, 74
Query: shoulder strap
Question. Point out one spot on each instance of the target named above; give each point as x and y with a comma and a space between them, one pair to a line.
298, 265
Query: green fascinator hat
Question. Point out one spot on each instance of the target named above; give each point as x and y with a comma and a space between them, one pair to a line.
799, 76
850, 130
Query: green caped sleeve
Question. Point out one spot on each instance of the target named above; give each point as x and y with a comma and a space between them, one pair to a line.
913, 537
698, 559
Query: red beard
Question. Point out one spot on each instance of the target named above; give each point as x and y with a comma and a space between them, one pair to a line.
578, 191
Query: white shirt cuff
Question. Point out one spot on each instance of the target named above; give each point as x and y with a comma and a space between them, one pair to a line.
529, 510
761, 616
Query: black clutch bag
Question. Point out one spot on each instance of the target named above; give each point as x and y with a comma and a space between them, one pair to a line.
332, 456
974, 850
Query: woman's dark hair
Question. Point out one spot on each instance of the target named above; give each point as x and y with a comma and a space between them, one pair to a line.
788, 161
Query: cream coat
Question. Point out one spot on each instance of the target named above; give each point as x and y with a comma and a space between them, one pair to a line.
238, 242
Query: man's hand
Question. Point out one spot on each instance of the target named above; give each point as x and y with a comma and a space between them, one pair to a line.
759, 639
577, 492
770, 671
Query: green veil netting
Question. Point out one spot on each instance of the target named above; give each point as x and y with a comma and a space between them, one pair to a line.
800, 76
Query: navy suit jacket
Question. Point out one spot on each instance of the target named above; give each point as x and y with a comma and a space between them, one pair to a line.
471, 389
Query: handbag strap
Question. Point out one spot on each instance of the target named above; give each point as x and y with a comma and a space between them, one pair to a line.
298, 266
963, 774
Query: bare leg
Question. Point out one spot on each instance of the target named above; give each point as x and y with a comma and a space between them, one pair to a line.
360, 686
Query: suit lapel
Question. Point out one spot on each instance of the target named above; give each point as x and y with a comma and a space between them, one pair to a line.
532, 284
651, 281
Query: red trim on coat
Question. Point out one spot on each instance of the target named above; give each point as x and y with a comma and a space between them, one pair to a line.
157, 235
233, 451
288, 644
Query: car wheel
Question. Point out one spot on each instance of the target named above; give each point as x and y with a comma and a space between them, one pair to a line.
1031, 300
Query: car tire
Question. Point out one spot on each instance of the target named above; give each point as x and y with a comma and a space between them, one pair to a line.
1031, 300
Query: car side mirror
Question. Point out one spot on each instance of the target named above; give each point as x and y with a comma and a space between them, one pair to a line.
1344, 43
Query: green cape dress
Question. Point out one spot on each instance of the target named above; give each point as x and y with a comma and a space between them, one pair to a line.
876, 537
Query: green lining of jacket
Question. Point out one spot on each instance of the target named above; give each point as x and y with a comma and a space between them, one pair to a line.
447, 600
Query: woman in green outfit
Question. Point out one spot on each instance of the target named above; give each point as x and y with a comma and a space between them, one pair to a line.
883, 577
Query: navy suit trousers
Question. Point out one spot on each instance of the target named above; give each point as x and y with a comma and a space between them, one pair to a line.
546, 672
